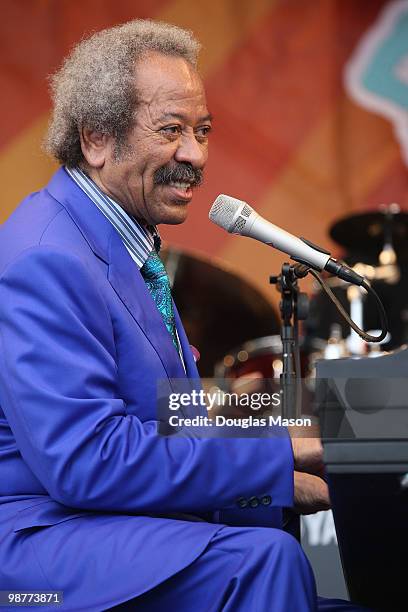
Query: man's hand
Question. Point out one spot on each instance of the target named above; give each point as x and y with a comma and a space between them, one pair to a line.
307, 451
311, 494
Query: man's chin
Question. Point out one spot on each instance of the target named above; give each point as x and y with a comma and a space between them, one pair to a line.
173, 214
171, 220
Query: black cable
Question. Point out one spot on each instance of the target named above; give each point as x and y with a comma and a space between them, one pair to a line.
360, 332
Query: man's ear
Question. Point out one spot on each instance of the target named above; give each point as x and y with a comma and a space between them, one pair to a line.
95, 147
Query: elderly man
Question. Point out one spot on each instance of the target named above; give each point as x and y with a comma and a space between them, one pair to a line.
94, 502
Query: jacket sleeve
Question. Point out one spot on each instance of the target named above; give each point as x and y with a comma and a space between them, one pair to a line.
58, 386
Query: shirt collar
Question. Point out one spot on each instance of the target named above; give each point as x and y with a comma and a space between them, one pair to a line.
138, 240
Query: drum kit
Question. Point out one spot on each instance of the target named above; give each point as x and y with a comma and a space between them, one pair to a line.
236, 328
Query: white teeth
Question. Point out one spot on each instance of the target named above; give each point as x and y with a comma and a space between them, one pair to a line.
184, 186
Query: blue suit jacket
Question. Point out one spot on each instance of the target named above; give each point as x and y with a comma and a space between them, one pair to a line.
86, 484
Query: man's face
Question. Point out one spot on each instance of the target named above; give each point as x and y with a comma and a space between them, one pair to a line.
166, 149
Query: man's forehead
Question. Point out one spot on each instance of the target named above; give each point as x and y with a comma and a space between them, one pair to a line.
202, 115
162, 107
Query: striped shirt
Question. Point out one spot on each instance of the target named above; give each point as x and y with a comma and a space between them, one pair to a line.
138, 240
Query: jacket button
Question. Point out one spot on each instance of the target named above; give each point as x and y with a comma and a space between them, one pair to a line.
253, 502
242, 502
266, 500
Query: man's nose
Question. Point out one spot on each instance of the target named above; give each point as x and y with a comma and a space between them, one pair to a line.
190, 150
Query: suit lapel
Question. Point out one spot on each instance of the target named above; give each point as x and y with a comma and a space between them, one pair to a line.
130, 287
194, 379
191, 368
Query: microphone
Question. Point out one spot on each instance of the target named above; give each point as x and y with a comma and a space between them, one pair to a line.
238, 217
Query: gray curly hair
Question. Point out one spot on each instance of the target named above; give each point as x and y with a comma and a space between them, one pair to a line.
95, 85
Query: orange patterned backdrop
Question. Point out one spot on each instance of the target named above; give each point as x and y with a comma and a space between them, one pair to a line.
287, 137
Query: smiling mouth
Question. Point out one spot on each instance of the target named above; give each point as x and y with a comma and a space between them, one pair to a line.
182, 191
180, 185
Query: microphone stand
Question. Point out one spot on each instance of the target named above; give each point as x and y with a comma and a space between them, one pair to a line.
294, 306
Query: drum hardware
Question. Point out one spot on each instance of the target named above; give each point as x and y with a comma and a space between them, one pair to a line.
375, 350
387, 273
336, 347
355, 344
388, 256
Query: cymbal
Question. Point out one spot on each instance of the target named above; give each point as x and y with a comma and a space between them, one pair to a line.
368, 232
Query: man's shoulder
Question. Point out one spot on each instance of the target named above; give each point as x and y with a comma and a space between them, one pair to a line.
34, 212
38, 220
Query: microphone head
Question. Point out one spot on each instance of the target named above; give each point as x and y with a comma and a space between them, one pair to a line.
230, 213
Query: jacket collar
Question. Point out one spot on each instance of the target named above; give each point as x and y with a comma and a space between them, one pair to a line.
93, 225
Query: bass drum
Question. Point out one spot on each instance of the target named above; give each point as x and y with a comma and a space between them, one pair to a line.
264, 356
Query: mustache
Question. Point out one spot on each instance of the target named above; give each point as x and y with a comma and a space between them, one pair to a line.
182, 172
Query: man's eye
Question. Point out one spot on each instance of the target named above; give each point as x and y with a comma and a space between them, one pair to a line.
171, 130
203, 131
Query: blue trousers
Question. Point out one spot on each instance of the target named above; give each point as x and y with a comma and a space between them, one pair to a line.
251, 569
